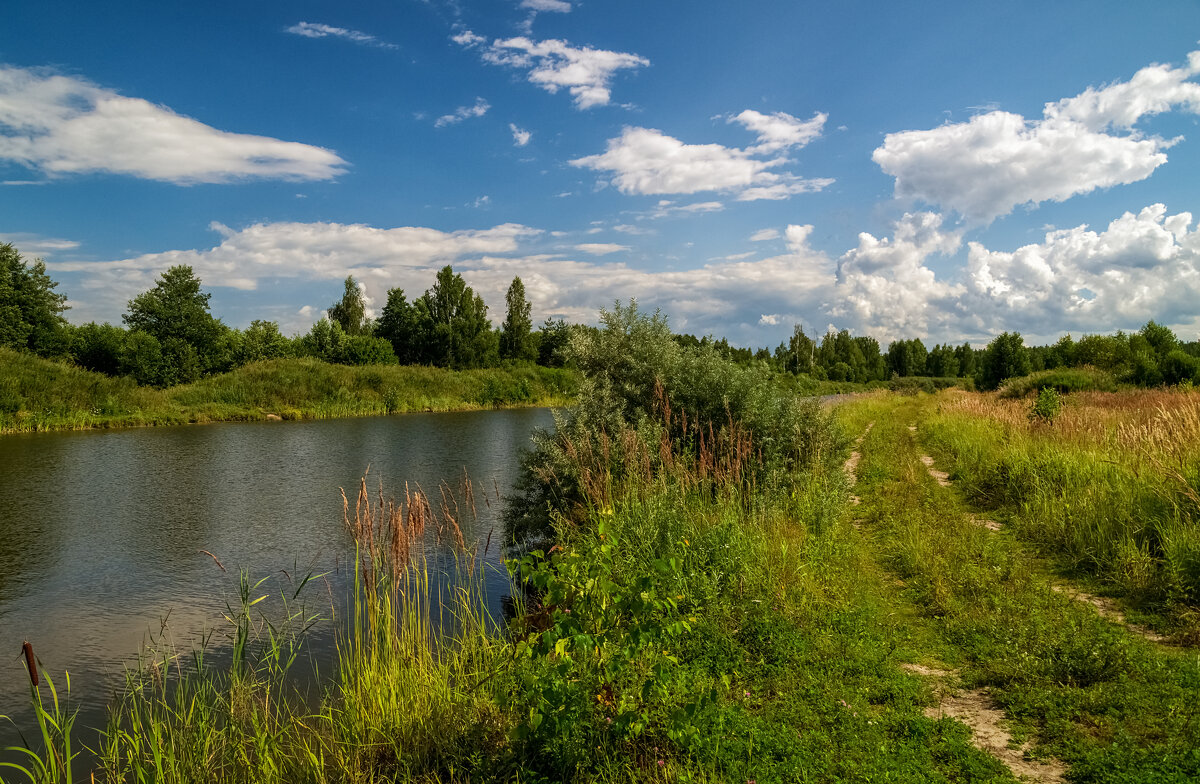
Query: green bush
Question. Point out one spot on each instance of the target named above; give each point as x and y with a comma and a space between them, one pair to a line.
1047, 407
644, 400
1063, 380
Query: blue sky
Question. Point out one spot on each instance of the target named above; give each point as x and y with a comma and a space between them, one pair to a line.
939, 170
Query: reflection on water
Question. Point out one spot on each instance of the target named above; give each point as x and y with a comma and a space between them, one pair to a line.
101, 533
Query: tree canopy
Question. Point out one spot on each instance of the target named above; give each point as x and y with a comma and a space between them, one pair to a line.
516, 334
30, 310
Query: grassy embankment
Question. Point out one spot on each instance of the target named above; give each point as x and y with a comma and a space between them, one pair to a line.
1110, 704
713, 610
37, 394
1110, 490
707, 614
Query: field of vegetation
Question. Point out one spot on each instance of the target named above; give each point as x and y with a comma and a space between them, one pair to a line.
38, 394
717, 581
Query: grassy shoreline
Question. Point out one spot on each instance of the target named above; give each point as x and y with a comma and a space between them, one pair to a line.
38, 395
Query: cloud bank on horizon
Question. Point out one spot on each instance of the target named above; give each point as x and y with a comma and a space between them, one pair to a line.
947, 256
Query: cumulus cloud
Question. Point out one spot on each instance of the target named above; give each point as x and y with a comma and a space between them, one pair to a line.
318, 30
61, 125
521, 136
1141, 267
244, 258
998, 160
885, 288
725, 297
478, 109
647, 161
780, 130
553, 65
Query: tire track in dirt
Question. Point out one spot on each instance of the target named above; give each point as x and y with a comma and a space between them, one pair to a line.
974, 707
851, 464
1105, 608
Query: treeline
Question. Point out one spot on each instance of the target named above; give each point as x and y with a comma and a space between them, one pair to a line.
1152, 356
169, 336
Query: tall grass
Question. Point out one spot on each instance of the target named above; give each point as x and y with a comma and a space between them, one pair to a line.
38, 394
1112, 486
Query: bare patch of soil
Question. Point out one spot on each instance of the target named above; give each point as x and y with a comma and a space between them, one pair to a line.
986, 522
942, 477
851, 464
1107, 608
975, 709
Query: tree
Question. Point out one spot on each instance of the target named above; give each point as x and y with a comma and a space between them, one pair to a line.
175, 313
1005, 357
260, 341
967, 360
399, 325
30, 311
98, 347
324, 341
552, 340
942, 362
350, 312
516, 334
454, 330
800, 353
1161, 339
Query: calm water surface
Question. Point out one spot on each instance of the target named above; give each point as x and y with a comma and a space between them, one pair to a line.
101, 532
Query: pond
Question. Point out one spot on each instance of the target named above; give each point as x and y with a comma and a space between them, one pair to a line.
103, 534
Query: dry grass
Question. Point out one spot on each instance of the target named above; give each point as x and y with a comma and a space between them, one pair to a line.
1164, 423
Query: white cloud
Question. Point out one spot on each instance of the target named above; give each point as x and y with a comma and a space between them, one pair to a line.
318, 30
647, 161
666, 208
554, 6
601, 248
479, 109
734, 256
584, 72
379, 258
62, 125
1141, 267
984, 167
885, 288
467, 38
521, 136
626, 228
35, 245
762, 235
780, 130
726, 297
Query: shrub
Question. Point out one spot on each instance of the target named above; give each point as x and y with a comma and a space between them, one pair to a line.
1063, 380
644, 403
1047, 406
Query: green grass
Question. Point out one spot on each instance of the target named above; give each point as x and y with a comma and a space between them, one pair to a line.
1064, 380
38, 394
1109, 489
690, 625
1113, 706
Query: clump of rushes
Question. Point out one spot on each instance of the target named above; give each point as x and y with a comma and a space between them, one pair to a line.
49, 761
